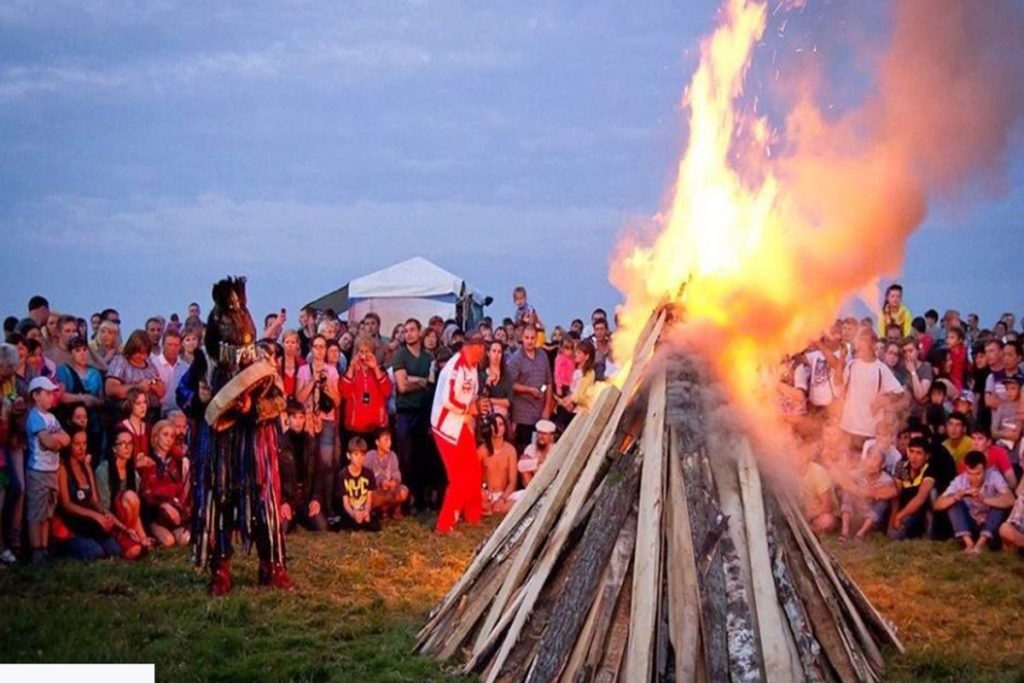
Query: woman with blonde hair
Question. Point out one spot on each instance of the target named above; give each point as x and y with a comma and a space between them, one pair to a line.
163, 486
105, 345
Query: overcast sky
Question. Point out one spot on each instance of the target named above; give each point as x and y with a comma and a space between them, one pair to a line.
151, 148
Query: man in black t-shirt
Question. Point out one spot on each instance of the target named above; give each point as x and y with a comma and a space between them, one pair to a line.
413, 444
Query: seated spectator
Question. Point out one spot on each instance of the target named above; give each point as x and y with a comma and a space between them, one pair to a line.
163, 489
866, 496
356, 490
117, 490
365, 390
995, 455
136, 405
977, 503
1012, 531
498, 459
957, 442
1006, 419
390, 494
885, 442
537, 452
915, 483
304, 484
86, 528
817, 495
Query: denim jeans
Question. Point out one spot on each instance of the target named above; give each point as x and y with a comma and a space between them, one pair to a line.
326, 466
88, 549
964, 524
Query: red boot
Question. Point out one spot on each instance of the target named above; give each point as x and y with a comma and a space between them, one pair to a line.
275, 575
220, 577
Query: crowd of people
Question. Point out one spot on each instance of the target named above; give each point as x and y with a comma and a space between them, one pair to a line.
911, 426
101, 436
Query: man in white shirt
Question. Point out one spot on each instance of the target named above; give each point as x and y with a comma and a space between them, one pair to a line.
870, 389
170, 367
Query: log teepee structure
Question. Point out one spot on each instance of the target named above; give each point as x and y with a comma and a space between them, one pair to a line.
638, 553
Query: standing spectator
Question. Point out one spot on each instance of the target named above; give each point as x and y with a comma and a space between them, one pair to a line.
602, 342
189, 344
305, 484
919, 377
45, 439
871, 389
39, 310
412, 365
452, 418
915, 483
1006, 421
919, 331
371, 328
894, 312
584, 377
59, 352
291, 360
365, 390
318, 390
133, 369
977, 502
307, 329
170, 368
390, 494
104, 346
531, 378
955, 344
994, 387
154, 330
87, 527
495, 383
13, 408
83, 386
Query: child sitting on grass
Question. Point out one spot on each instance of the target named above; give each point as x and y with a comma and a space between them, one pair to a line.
867, 493
390, 494
356, 486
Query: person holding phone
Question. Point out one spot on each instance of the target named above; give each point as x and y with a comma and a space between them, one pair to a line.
365, 389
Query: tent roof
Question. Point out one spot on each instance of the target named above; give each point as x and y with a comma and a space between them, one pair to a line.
415, 277
338, 300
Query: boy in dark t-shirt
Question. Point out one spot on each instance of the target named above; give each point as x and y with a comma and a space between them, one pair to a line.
356, 485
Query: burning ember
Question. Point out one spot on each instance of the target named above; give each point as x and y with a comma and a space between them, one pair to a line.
769, 231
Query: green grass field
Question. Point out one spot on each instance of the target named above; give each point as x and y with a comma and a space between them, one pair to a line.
363, 598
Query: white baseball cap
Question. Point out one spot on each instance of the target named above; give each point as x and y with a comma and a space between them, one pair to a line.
545, 427
41, 383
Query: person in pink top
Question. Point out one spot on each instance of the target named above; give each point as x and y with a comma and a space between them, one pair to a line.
452, 419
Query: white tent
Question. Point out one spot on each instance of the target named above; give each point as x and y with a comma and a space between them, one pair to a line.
415, 288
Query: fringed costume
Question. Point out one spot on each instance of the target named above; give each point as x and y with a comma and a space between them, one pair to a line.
236, 445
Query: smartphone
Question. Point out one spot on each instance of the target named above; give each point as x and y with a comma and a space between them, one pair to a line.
543, 388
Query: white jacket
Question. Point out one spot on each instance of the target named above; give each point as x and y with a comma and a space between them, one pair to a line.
457, 387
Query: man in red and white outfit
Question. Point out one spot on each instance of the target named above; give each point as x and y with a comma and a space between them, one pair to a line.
452, 419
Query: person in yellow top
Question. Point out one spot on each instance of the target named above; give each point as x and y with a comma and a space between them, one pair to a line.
957, 442
894, 312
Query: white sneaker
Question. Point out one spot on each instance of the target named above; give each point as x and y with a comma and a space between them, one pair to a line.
8, 558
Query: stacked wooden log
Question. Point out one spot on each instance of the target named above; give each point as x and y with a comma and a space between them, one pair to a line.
640, 552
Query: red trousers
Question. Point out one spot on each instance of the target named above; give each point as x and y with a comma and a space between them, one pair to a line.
465, 481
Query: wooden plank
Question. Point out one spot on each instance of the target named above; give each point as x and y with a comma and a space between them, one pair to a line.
647, 558
610, 655
683, 596
774, 649
599, 619
879, 625
576, 457
591, 556
867, 641
581, 491
745, 659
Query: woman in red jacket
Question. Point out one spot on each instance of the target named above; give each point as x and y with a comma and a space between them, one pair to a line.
365, 389
163, 485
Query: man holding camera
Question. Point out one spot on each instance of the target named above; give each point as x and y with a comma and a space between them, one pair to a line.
452, 419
